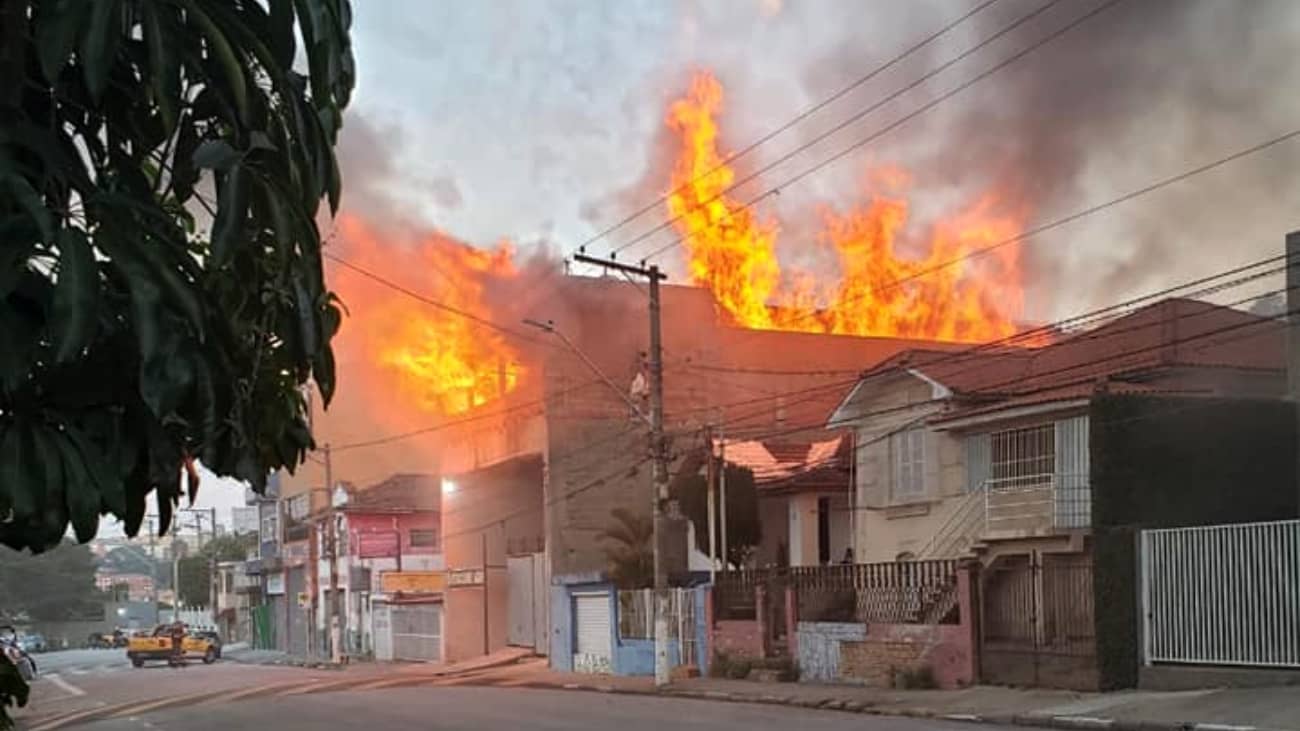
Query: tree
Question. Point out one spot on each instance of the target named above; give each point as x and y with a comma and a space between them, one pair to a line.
744, 530
630, 549
162, 298
195, 572
55, 586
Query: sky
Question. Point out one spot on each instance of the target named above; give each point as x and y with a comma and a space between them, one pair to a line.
542, 123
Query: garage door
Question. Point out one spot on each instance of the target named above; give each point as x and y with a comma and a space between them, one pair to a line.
591, 652
416, 631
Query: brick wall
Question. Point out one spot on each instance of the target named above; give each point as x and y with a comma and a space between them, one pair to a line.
889, 649
738, 637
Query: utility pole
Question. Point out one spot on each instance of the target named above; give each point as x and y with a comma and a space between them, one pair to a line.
659, 454
332, 605
722, 496
710, 477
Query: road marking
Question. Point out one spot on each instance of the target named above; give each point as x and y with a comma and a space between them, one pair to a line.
64, 685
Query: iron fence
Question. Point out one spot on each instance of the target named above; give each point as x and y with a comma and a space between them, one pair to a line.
1222, 595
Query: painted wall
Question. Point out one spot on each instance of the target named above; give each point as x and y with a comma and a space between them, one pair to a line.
819, 648
563, 637
637, 656
803, 529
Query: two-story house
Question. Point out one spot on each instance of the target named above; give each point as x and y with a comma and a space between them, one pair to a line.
989, 448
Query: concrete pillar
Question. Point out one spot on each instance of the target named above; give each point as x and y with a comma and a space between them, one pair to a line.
792, 621
1293, 333
968, 608
761, 615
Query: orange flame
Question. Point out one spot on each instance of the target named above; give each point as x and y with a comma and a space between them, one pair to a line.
439, 362
880, 292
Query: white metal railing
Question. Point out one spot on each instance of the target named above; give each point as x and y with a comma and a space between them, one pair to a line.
1048, 502
1222, 594
963, 528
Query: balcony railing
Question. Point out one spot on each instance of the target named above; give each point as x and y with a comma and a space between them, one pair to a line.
1037, 505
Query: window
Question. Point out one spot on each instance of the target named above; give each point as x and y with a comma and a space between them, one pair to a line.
421, 538
908, 454
1023, 457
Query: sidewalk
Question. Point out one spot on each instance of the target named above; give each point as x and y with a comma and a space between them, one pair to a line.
1240, 709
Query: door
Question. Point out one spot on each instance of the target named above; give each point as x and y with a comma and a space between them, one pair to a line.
591, 651
520, 600
381, 629
297, 624
416, 631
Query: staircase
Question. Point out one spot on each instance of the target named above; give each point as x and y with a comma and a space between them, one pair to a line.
962, 532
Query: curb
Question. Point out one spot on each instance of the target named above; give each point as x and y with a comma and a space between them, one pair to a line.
1065, 723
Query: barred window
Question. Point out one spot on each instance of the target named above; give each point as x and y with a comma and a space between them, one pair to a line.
1023, 457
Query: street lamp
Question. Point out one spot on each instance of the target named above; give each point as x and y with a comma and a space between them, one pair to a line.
549, 327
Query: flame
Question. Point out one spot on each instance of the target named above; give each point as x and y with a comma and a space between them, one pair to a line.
439, 362
881, 291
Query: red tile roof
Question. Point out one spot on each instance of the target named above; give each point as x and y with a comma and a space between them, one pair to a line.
793, 465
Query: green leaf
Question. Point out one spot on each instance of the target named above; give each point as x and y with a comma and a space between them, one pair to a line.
18, 474
49, 462
232, 210
164, 61
220, 47
281, 34
215, 154
76, 295
259, 140
108, 483
31, 202
57, 25
83, 498
99, 45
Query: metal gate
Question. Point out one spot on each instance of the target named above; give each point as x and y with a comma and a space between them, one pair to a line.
591, 652
296, 631
521, 602
416, 631
1037, 626
1222, 594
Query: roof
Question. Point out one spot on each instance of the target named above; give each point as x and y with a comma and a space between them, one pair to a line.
399, 492
1151, 350
793, 465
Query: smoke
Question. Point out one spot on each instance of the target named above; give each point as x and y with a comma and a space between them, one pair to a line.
1138, 93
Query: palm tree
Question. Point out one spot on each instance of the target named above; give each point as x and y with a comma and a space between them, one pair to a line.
629, 549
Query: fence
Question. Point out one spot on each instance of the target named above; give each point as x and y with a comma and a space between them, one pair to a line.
1222, 595
904, 592
636, 614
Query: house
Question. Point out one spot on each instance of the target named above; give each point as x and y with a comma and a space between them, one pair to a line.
805, 514
1027, 459
389, 573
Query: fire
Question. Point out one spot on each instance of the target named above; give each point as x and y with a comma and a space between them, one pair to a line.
440, 362
881, 290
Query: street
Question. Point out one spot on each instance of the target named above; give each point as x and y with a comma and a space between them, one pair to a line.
77, 681
493, 708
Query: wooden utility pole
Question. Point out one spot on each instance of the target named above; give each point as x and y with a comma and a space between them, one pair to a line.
658, 453
710, 476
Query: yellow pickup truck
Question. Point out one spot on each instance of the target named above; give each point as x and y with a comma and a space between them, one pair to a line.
158, 646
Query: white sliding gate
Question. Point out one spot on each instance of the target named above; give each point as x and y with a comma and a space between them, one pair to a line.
1222, 594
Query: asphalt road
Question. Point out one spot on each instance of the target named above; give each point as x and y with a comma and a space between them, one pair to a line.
503, 708
65, 661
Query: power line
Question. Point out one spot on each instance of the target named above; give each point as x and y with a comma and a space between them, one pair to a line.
898, 123
791, 123
437, 304
1152, 187
1087, 318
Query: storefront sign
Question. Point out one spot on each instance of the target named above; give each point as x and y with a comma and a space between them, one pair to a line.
275, 584
465, 577
412, 582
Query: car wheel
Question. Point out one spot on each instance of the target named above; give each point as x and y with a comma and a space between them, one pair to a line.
138, 662
210, 656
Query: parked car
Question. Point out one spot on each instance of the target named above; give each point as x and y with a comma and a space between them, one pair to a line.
32, 643
211, 636
158, 646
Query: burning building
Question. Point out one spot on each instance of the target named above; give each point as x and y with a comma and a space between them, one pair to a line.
535, 450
